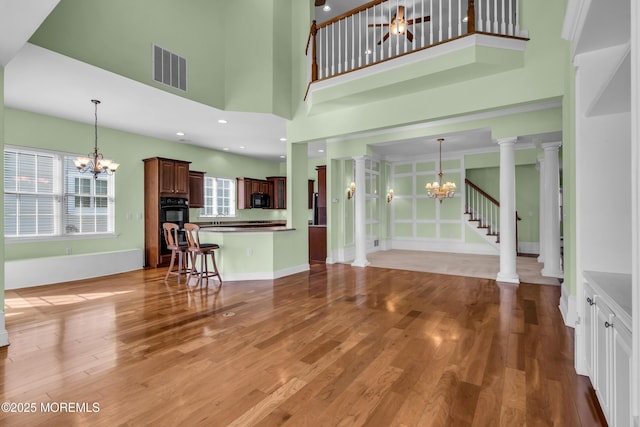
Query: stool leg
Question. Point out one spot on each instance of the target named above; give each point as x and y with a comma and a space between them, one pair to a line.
215, 267
173, 257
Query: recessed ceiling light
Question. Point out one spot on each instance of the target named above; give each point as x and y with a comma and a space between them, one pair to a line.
226, 148
283, 139
321, 151
242, 147
367, 52
283, 157
326, 8
465, 19
180, 133
222, 121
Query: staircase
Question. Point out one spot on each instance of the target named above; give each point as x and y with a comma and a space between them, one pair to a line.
483, 214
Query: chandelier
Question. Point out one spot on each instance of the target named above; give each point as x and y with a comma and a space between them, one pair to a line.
95, 162
438, 190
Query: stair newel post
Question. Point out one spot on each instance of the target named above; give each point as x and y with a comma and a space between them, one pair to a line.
314, 51
471, 17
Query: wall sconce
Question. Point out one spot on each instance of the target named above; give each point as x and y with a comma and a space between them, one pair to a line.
351, 190
390, 195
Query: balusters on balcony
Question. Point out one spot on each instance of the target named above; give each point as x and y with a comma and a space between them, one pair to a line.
384, 29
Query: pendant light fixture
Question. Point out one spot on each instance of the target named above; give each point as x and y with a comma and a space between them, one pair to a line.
95, 162
437, 190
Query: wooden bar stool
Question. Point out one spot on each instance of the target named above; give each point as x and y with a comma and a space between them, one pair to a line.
201, 250
177, 250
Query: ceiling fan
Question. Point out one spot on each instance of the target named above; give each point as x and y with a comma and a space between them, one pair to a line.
399, 25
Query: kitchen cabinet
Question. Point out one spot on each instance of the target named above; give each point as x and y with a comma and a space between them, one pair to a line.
196, 189
318, 243
310, 191
173, 177
607, 323
162, 178
245, 187
322, 194
278, 192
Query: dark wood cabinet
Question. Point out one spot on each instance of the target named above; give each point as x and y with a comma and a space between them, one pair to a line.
196, 189
245, 187
173, 177
162, 178
317, 243
322, 194
278, 193
310, 187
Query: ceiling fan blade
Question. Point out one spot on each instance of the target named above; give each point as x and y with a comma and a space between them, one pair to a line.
386, 36
409, 36
320, 2
418, 20
378, 25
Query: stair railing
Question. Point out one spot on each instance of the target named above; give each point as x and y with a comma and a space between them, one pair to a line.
482, 208
383, 29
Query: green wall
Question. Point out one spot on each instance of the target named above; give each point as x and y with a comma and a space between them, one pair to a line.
235, 67
38, 131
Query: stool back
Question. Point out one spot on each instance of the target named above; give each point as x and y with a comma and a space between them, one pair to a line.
193, 236
171, 235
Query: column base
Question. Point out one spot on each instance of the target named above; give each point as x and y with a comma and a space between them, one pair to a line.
552, 272
508, 278
360, 263
541, 259
4, 335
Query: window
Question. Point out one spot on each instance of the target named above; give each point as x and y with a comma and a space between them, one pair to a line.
219, 197
46, 196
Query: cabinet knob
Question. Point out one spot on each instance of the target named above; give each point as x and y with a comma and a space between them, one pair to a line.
607, 324
590, 301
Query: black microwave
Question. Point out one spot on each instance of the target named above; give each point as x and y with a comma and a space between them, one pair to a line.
259, 200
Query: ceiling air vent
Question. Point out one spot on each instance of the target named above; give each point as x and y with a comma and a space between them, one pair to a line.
169, 68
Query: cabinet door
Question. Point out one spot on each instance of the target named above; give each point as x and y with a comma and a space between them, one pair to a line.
621, 375
264, 187
602, 359
181, 179
255, 187
589, 329
196, 189
167, 178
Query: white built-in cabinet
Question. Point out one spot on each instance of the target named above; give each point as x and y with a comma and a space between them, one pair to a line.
608, 342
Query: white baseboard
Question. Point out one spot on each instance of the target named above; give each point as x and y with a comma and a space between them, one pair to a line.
26, 273
568, 307
235, 277
529, 247
444, 246
4, 336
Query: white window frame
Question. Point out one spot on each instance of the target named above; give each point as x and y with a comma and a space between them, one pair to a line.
211, 208
60, 177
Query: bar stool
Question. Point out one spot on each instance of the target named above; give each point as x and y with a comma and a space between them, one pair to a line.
178, 250
201, 250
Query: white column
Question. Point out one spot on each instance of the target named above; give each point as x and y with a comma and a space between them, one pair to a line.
552, 261
360, 215
542, 209
508, 253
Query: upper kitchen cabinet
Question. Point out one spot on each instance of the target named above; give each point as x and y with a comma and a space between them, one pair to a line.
279, 192
196, 189
173, 177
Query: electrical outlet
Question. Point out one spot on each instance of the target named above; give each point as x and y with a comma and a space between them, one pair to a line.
69, 251
249, 251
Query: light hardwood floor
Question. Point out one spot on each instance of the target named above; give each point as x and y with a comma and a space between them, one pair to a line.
337, 346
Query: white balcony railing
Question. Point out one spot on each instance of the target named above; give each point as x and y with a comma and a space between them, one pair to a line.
381, 30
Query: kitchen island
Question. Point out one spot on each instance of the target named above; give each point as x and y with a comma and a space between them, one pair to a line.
252, 250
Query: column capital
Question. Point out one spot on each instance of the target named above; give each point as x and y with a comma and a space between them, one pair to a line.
360, 158
551, 145
507, 141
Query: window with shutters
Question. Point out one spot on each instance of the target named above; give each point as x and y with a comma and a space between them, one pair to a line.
45, 196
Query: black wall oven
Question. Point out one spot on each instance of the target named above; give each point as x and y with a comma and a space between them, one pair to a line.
175, 210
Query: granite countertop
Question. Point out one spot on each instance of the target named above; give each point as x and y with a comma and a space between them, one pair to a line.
242, 226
